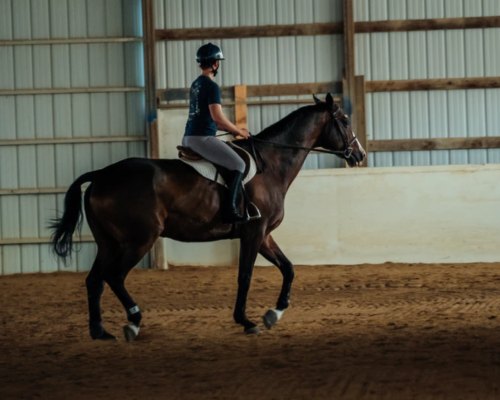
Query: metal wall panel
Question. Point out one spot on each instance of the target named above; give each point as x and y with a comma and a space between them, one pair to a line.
63, 115
254, 61
428, 55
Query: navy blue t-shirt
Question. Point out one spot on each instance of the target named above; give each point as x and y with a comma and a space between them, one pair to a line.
204, 91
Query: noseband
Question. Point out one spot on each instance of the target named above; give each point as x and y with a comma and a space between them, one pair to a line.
345, 138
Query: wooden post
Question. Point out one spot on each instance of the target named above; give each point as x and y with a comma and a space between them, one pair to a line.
149, 58
360, 113
240, 110
349, 69
157, 252
348, 76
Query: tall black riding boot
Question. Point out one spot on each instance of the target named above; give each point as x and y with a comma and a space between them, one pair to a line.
231, 215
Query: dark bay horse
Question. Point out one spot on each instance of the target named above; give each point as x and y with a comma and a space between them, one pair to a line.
133, 202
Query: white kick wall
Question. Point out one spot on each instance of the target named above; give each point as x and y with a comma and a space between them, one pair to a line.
438, 214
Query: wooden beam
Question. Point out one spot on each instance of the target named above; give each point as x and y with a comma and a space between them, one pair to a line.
291, 89
432, 84
149, 62
154, 140
250, 31
409, 25
251, 103
360, 113
240, 108
462, 143
328, 28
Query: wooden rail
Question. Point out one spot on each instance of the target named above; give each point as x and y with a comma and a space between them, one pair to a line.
337, 100
409, 25
432, 84
461, 143
250, 31
327, 28
227, 92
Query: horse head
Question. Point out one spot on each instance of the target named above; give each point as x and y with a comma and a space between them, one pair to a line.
337, 134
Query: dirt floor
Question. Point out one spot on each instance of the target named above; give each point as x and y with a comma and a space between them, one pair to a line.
352, 332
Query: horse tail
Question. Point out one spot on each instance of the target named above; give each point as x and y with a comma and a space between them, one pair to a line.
71, 220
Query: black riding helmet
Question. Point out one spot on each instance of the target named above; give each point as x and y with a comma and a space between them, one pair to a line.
208, 54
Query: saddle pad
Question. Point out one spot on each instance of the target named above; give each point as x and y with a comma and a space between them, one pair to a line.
207, 169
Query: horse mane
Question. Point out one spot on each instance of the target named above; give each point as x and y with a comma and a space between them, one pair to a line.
287, 125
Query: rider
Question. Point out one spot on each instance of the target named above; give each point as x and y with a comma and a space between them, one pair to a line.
205, 116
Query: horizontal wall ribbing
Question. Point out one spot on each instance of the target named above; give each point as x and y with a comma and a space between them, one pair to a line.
97, 89
75, 140
19, 241
57, 190
34, 42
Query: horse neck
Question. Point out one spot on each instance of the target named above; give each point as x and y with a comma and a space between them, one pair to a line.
286, 163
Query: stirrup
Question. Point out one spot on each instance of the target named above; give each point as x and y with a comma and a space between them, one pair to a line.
256, 216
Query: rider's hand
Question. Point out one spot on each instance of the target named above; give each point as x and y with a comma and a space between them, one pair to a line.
244, 133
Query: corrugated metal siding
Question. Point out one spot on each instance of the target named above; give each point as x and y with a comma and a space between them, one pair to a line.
63, 115
254, 61
427, 55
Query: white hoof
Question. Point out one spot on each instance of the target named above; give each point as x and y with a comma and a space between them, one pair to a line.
271, 318
130, 331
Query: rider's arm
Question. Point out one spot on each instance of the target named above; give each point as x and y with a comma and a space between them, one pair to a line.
224, 124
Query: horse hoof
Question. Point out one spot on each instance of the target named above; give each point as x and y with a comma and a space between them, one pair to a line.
105, 336
253, 331
130, 332
270, 319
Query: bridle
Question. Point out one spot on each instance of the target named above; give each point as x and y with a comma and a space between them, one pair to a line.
347, 152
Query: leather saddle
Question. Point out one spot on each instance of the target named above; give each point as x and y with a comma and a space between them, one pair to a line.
191, 155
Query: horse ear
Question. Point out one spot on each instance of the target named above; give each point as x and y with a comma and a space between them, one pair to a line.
329, 100
316, 100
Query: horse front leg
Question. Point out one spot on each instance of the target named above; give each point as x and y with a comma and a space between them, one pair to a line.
271, 252
249, 247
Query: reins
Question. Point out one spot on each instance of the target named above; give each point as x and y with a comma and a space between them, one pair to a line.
347, 152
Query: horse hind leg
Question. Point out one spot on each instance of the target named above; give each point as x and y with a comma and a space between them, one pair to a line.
115, 275
95, 286
271, 252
